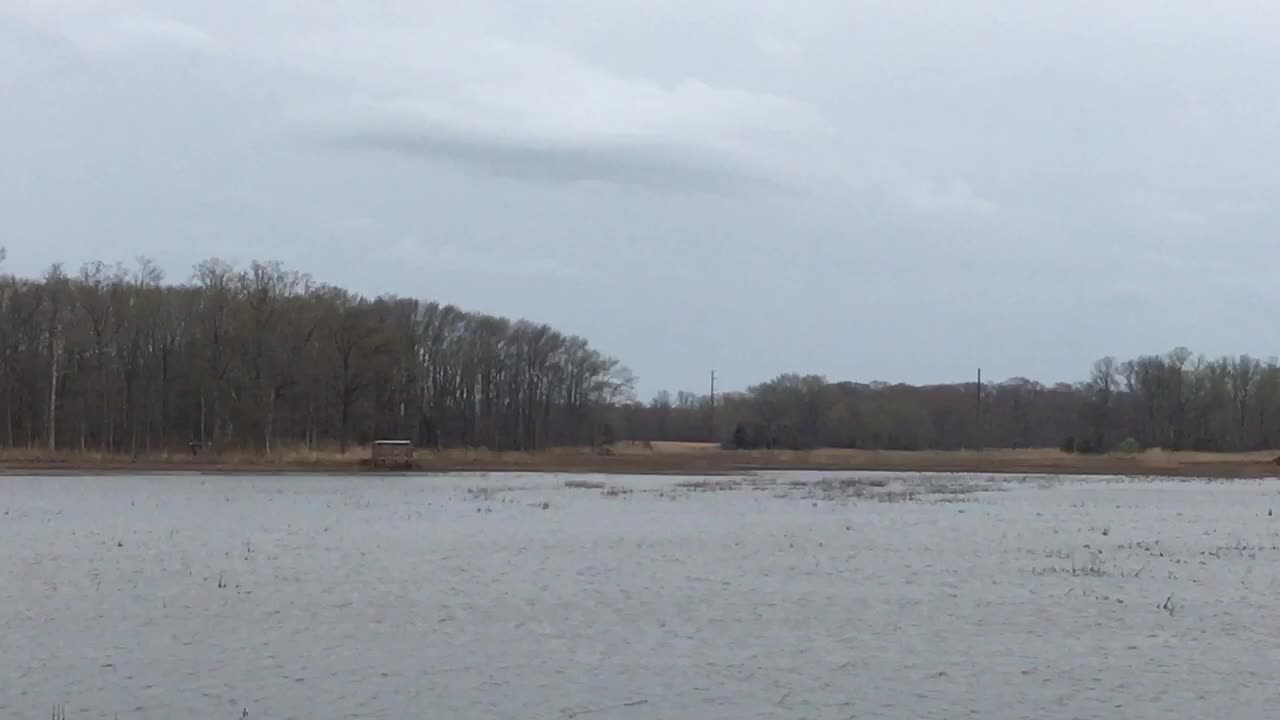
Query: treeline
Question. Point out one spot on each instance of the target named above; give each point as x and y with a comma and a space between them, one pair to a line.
114, 359
1176, 401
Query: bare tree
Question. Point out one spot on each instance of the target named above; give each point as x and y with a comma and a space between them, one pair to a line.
1101, 387
55, 283
1245, 372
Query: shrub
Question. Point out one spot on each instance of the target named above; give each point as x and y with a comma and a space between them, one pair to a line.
1128, 446
1068, 444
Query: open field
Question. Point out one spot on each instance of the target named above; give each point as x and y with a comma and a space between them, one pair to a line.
774, 596
669, 458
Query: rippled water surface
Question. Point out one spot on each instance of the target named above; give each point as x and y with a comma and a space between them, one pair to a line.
515, 596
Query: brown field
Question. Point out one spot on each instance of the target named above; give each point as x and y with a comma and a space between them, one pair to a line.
663, 458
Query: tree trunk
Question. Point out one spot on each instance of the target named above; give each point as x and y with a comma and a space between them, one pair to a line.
108, 427
8, 412
268, 420
311, 432
53, 394
131, 420
164, 402
342, 430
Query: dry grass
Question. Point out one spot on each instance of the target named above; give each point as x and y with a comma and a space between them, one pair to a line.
664, 458
1033, 461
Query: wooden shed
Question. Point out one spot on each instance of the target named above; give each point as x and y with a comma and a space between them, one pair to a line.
391, 453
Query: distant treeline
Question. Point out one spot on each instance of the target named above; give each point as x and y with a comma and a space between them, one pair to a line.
1176, 401
114, 359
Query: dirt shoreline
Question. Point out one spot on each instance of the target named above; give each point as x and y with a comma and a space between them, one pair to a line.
698, 461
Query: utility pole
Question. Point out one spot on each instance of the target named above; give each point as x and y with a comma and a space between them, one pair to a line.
713, 406
977, 425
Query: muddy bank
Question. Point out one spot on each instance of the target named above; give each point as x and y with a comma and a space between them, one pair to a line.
676, 459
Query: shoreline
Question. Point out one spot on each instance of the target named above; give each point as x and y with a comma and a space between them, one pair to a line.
685, 460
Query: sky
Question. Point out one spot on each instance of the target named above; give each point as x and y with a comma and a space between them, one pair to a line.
888, 190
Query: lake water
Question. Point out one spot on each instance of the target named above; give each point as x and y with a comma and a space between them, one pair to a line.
514, 596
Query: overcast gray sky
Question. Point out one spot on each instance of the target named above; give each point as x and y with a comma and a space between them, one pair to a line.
889, 190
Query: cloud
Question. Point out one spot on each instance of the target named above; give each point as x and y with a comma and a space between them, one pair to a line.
102, 30
622, 160
955, 197
472, 258
532, 111
465, 85
140, 32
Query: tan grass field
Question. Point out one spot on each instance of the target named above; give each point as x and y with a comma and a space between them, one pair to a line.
662, 458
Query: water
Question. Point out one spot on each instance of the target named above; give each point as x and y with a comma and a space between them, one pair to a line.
512, 596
